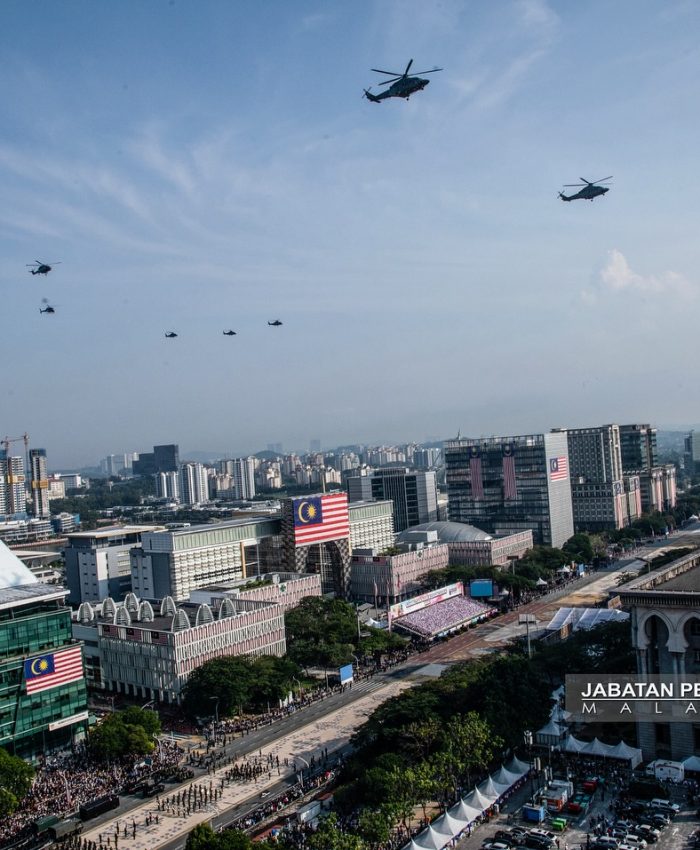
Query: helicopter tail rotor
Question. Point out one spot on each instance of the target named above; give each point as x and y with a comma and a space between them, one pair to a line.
368, 94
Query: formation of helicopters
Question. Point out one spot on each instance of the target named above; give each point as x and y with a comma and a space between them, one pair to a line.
402, 86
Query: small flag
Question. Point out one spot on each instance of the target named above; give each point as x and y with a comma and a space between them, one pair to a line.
558, 468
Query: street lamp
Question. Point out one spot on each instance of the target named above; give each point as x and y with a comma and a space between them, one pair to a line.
149, 704
301, 772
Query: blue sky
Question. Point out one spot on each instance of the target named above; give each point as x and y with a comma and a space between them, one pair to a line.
199, 166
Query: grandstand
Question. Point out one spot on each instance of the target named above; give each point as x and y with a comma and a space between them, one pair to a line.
439, 619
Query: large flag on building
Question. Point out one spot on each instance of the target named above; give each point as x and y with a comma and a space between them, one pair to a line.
318, 519
476, 473
510, 490
53, 669
558, 468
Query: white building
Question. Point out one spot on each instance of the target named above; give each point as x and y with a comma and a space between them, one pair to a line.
371, 525
13, 498
168, 486
194, 484
243, 472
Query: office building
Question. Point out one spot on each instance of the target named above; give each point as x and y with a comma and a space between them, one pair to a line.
148, 651
414, 494
194, 484
284, 589
597, 488
178, 561
665, 617
638, 447
39, 483
13, 498
426, 458
43, 698
469, 546
113, 465
164, 458
315, 534
658, 488
98, 562
398, 576
505, 485
371, 525
56, 488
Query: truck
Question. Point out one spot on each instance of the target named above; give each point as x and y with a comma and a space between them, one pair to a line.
65, 829
663, 769
99, 806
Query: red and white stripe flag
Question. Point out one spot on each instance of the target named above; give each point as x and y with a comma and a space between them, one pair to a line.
53, 669
320, 518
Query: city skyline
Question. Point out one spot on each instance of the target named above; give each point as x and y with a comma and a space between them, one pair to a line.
228, 173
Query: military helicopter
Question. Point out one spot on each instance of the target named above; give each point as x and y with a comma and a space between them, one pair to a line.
170, 335
590, 190
275, 324
38, 267
403, 85
48, 308
229, 333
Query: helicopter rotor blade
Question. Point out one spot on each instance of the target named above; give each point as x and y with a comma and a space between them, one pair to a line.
432, 71
389, 82
405, 73
572, 185
390, 73
602, 180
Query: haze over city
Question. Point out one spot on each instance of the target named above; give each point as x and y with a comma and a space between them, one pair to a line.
211, 166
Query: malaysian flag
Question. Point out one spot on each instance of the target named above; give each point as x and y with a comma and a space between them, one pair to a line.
510, 490
476, 473
318, 519
620, 512
56, 668
558, 468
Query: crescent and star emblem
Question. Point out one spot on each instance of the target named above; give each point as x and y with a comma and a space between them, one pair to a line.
38, 666
306, 512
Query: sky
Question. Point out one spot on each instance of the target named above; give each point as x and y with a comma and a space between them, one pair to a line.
199, 166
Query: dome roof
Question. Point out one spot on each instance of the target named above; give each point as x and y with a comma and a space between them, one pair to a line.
12, 571
447, 532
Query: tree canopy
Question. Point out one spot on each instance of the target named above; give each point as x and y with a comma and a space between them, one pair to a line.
122, 733
16, 778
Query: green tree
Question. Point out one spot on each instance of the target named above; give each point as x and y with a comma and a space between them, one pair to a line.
321, 632
229, 679
122, 733
329, 836
202, 837
375, 825
16, 778
579, 548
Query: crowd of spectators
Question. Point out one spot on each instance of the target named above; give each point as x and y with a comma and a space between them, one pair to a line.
64, 783
445, 616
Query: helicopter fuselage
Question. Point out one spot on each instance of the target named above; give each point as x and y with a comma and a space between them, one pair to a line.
41, 270
401, 88
586, 194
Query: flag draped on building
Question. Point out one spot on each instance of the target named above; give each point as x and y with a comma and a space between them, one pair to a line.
476, 473
510, 490
558, 468
53, 669
321, 518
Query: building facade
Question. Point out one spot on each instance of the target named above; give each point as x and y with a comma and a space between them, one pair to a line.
371, 525
43, 697
506, 485
285, 589
665, 619
638, 447
397, 576
149, 652
13, 498
469, 546
193, 483
98, 563
414, 494
39, 483
597, 487
177, 562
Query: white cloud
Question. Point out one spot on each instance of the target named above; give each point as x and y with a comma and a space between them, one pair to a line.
617, 276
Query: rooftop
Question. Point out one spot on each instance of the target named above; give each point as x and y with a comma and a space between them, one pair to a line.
113, 531
688, 582
447, 532
12, 570
23, 593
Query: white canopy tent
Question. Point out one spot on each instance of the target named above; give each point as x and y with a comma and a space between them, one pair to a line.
621, 750
449, 825
552, 733
692, 763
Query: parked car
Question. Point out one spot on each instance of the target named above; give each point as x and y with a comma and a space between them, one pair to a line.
538, 842
647, 832
633, 840
668, 808
658, 819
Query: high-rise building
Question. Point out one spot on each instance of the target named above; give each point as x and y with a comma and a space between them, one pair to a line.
113, 465
13, 497
168, 486
504, 485
194, 485
40, 483
638, 447
243, 472
597, 486
164, 458
426, 458
414, 494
